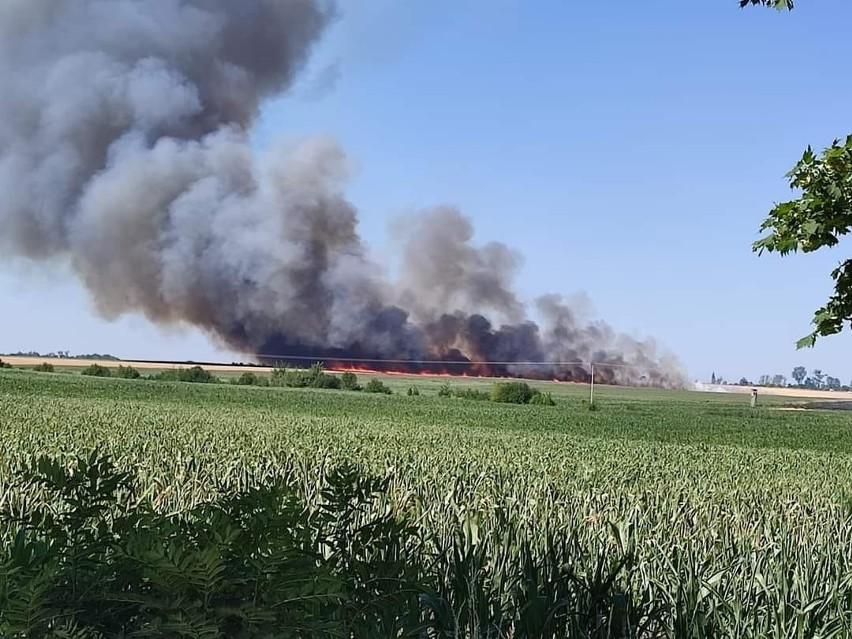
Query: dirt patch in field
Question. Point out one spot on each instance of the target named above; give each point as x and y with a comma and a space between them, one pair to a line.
828, 406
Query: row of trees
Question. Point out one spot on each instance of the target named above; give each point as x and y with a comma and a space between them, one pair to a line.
63, 355
816, 380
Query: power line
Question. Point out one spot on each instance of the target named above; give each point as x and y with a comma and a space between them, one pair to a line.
442, 362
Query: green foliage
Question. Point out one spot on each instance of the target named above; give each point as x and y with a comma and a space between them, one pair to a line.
249, 379
376, 385
248, 564
297, 379
542, 399
127, 372
194, 375
817, 219
314, 377
96, 370
413, 391
44, 367
278, 377
780, 5
349, 382
511, 392
472, 393
463, 393
197, 375
4, 364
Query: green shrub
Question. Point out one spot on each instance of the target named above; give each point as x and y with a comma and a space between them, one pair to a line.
472, 393
318, 378
96, 370
127, 372
197, 375
314, 377
194, 375
245, 565
349, 381
43, 368
331, 382
250, 379
518, 392
296, 379
377, 386
247, 379
542, 399
278, 377
413, 391
462, 393
511, 393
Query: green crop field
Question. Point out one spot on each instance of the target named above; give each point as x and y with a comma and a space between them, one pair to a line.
667, 514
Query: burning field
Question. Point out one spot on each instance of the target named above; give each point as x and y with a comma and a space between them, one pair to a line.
124, 149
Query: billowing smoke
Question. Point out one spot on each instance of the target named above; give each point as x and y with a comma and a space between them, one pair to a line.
124, 148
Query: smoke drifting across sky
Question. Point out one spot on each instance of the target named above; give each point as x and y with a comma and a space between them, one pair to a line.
124, 147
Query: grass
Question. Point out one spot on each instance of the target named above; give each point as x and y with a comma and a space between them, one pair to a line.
650, 415
700, 484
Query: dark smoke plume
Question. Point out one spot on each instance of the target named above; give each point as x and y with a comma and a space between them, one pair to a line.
124, 148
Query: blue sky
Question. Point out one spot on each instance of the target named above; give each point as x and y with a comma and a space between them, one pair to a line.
627, 150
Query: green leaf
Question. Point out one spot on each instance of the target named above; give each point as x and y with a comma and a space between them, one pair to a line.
807, 342
779, 5
815, 220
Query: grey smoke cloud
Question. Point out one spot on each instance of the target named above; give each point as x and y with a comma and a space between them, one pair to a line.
443, 270
124, 147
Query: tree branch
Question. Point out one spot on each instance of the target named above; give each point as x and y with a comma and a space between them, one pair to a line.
780, 5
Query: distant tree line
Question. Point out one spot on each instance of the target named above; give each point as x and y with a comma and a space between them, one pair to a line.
63, 355
799, 378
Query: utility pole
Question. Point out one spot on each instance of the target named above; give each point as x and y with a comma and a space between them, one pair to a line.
592, 387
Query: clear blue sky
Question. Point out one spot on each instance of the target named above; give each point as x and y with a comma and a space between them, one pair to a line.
629, 150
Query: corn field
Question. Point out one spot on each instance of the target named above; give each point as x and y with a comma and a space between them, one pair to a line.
678, 515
